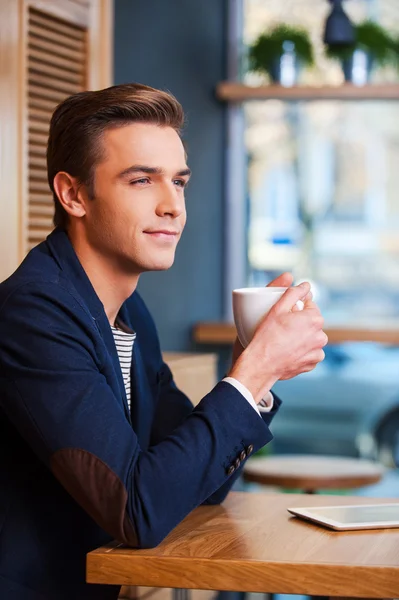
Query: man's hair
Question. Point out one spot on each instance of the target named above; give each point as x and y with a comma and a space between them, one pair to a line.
79, 122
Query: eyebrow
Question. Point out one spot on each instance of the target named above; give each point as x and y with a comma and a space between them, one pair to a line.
150, 171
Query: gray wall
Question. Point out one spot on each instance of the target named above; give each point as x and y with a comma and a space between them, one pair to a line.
179, 45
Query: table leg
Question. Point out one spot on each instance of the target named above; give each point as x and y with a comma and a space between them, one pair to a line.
180, 594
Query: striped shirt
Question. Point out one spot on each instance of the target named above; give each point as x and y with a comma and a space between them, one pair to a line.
124, 346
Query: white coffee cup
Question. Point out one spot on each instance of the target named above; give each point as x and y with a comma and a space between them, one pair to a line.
251, 305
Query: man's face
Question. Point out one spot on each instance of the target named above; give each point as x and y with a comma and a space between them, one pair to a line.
138, 212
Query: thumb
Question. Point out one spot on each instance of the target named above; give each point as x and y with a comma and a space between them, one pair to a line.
283, 280
289, 299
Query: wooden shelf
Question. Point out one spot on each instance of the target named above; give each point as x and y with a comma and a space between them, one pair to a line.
225, 333
238, 92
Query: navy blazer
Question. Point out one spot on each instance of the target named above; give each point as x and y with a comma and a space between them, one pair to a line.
76, 468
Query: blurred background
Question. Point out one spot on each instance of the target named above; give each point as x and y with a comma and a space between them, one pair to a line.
293, 138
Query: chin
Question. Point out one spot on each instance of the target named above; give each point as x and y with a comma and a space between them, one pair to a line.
159, 265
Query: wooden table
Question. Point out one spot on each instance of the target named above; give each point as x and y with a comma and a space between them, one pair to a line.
251, 543
312, 473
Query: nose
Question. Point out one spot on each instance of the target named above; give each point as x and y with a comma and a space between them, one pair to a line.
171, 202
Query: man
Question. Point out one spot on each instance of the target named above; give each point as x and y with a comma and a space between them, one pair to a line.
96, 441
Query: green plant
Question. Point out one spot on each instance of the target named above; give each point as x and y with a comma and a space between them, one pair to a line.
395, 50
270, 46
371, 38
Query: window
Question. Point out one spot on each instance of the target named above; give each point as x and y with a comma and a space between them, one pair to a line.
323, 176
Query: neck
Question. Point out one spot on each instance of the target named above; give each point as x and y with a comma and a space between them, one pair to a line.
112, 285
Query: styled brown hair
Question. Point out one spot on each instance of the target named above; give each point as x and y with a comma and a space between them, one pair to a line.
79, 122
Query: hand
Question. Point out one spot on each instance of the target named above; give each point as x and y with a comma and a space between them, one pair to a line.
287, 343
284, 280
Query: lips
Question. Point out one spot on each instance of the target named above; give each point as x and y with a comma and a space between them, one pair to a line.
162, 231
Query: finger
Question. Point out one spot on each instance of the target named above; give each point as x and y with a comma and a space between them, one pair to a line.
291, 297
310, 304
309, 367
314, 357
316, 318
323, 339
283, 280
309, 297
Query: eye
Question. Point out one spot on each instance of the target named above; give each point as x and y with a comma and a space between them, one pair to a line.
141, 181
180, 183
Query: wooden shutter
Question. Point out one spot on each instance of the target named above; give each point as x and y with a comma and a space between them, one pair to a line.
55, 48
57, 59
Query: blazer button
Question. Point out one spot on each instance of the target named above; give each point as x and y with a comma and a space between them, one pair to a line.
237, 463
243, 455
230, 470
250, 449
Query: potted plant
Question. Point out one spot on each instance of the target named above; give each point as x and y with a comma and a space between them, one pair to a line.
373, 46
395, 50
280, 53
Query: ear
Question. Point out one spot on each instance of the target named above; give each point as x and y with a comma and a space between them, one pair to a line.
71, 194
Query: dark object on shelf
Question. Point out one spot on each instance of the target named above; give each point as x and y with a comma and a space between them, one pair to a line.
373, 45
339, 30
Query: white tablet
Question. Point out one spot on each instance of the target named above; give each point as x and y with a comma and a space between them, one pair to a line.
342, 518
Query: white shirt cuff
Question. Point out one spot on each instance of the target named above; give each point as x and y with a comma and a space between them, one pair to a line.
265, 405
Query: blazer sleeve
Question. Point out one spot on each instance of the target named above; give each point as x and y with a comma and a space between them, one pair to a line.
173, 406
53, 389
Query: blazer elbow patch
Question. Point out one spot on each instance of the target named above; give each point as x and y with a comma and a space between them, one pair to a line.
98, 490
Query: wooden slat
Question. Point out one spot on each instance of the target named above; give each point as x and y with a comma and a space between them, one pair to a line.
52, 24
35, 114
39, 223
42, 104
66, 11
36, 150
52, 59
46, 209
56, 72
55, 49
41, 198
38, 138
36, 32
37, 161
36, 90
42, 205
38, 127
38, 234
53, 84
42, 210
38, 187
38, 175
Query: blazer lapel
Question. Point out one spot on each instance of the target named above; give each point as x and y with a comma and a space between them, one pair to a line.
107, 335
141, 401
64, 253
